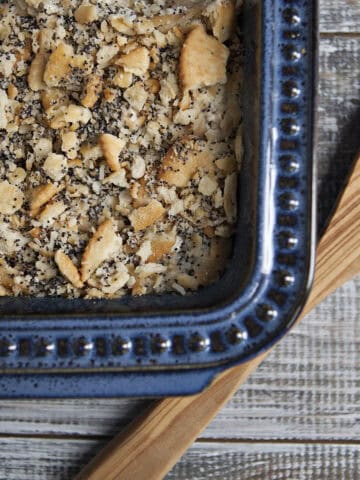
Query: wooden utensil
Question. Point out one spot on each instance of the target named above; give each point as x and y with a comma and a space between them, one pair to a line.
154, 442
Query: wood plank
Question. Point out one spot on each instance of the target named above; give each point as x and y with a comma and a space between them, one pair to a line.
51, 459
259, 461
43, 459
338, 116
339, 16
68, 417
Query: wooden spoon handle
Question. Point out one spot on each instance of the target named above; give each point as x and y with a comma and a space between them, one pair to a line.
153, 443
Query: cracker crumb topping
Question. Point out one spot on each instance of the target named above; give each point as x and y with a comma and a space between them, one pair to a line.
120, 146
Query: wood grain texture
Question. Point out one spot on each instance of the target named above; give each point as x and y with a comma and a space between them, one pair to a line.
339, 16
338, 117
267, 461
53, 459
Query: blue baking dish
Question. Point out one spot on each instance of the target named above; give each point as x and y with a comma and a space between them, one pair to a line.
173, 345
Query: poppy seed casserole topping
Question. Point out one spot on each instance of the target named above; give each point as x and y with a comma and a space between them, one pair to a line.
120, 146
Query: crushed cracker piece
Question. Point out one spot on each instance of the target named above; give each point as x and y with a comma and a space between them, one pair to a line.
12, 91
71, 116
117, 281
122, 25
137, 61
207, 185
86, 13
150, 269
183, 160
92, 91
68, 269
59, 65
122, 79
139, 193
202, 61
11, 198
106, 55
221, 14
144, 251
17, 176
69, 144
55, 166
43, 148
4, 105
102, 246
161, 245
117, 178
143, 217
41, 195
111, 147
36, 72
138, 167
51, 212
109, 94
136, 95
35, 232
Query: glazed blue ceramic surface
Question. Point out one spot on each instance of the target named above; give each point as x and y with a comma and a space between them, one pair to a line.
173, 345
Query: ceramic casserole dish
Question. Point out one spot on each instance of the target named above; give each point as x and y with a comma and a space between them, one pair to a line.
172, 344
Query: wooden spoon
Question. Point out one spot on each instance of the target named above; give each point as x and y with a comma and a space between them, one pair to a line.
153, 443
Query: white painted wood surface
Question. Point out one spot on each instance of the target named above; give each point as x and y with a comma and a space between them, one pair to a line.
298, 416
44, 459
339, 16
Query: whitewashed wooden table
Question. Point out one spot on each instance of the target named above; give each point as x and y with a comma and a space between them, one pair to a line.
298, 416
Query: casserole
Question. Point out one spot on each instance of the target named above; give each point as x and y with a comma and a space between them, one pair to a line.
171, 345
